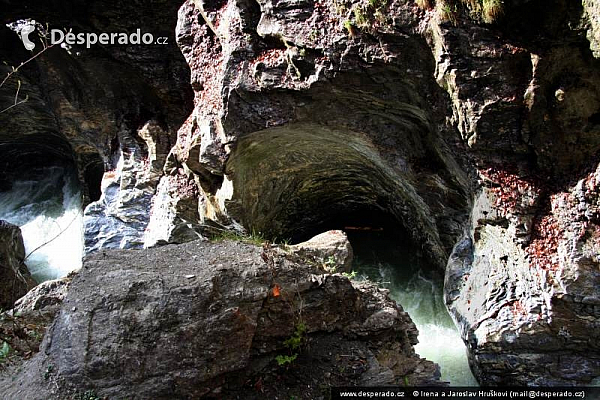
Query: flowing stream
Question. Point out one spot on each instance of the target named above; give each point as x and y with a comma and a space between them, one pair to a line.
380, 259
46, 205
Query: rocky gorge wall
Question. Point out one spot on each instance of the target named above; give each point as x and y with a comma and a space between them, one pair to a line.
477, 137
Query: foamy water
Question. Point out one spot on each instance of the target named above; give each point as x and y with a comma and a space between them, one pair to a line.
47, 207
381, 260
439, 340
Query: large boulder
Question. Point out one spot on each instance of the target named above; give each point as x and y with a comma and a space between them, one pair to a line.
15, 279
331, 249
201, 319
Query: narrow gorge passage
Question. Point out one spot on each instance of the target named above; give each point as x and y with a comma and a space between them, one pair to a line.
45, 202
385, 257
300, 180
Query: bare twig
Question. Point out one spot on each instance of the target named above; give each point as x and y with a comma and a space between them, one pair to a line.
16, 104
15, 70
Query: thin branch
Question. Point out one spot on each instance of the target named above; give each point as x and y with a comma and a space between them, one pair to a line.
15, 70
18, 90
16, 104
54, 238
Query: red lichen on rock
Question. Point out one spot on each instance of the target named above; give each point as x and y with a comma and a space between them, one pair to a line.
510, 190
270, 58
543, 248
185, 133
517, 310
209, 100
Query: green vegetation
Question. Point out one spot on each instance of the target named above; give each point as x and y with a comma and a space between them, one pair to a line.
48, 372
253, 238
491, 10
4, 351
87, 395
282, 360
330, 265
293, 343
256, 238
367, 15
487, 11
350, 275
349, 26
360, 17
447, 12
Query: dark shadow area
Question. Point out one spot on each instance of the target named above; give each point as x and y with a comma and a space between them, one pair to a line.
93, 179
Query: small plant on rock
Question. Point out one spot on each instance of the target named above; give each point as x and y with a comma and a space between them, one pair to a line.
491, 10
4, 351
293, 343
282, 359
87, 395
48, 372
350, 275
330, 265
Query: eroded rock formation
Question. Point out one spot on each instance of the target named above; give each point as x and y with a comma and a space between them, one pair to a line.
442, 122
15, 279
209, 319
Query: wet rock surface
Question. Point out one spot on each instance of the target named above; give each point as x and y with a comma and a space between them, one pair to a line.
15, 279
182, 321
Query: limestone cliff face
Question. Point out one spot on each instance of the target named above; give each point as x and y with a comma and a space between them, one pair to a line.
113, 109
479, 138
309, 112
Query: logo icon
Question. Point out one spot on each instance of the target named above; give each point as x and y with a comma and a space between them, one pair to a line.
25, 31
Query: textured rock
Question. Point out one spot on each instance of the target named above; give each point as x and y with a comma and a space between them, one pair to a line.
190, 320
331, 249
318, 124
299, 128
592, 11
91, 105
174, 214
119, 218
45, 298
16, 279
526, 295
309, 116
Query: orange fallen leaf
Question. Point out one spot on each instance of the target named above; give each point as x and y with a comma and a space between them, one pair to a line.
276, 291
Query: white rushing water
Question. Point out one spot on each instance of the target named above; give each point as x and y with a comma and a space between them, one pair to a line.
439, 340
46, 205
422, 297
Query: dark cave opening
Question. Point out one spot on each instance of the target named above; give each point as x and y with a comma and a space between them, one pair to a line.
357, 222
92, 176
293, 182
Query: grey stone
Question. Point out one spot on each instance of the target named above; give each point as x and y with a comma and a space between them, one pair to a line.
134, 324
15, 280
